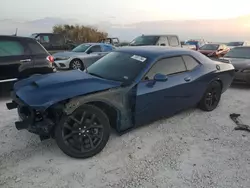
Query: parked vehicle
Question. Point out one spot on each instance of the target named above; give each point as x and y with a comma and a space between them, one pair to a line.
240, 58
113, 41
81, 56
187, 46
238, 43
21, 57
126, 88
196, 42
158, 40
214, 50
53, 42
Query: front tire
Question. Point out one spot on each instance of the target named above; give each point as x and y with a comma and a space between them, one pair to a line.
84, 133
211, 98
76, 64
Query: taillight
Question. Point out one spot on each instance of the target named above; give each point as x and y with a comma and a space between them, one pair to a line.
50, 59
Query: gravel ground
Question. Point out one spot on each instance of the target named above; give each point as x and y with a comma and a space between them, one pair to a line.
193, 149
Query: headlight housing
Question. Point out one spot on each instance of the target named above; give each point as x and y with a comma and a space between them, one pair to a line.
61, 58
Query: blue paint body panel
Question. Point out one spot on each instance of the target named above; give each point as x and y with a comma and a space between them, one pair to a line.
136, 104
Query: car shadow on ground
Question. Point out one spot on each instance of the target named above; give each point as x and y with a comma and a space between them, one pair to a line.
240, 86
5, 89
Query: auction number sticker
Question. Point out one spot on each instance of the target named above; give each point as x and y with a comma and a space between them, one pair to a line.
139, 58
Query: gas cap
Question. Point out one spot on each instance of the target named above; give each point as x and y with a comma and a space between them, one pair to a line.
217, 67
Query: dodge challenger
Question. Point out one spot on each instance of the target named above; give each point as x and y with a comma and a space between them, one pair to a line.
128, 87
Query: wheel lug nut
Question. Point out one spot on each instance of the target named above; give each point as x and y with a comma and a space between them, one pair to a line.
84, 135
87, 131
79, 133
84, 127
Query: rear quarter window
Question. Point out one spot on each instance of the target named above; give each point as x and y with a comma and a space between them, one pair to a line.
11, 48
107, 48
35, 47
190, 62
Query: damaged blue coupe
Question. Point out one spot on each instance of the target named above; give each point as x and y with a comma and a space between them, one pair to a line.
127, 88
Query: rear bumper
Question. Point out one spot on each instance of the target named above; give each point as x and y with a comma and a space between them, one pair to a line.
62, 64
36, 122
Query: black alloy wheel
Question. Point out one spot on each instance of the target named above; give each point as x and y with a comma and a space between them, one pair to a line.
211, 97
84, 133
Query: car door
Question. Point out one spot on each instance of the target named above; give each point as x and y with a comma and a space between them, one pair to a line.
155, 99
95, 52
193, 81
14, 55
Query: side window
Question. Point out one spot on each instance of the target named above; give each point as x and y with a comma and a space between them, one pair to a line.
11, 48
44, 39
35, 47
96, 48
163, 40
107, 48
173, 41
167, 66
190, 62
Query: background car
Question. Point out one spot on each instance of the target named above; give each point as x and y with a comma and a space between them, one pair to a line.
53, 42
197, 42
240, 58
129, 87
214, 50
82, 56
21, 57
156, 40
238, 43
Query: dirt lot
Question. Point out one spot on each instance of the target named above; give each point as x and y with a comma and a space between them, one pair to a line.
193, 149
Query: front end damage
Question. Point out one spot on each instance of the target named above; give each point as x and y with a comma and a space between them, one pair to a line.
38, 122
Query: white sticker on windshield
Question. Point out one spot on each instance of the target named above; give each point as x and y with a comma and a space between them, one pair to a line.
139, 58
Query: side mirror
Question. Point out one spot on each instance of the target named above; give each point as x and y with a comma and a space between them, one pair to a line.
160, 77
162, 44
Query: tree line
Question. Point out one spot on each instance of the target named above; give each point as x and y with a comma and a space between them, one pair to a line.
80, 33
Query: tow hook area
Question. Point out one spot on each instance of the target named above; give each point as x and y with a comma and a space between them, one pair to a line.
11, 105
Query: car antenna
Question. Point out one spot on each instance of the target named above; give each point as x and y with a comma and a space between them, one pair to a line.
15, 32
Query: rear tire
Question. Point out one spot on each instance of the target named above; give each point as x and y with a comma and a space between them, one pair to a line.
84, 133
211, 98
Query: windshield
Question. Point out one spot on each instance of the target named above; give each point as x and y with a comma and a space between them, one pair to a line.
209, 47
235, 44
239, 53
145, 40
81, 48
118, 66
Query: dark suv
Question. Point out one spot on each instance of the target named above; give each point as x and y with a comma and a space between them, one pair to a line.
21, 57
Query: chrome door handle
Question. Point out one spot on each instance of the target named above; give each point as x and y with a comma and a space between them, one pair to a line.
187, 79
25, 60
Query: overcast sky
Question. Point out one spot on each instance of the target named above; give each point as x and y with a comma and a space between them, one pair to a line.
122, 11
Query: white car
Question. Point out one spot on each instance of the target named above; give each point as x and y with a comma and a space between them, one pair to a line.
81, 56
238, 43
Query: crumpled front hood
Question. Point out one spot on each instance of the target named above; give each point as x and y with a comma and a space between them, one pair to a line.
239, 63
42, 91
